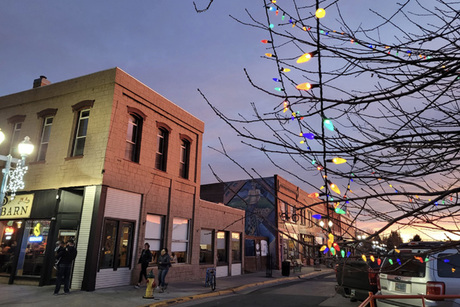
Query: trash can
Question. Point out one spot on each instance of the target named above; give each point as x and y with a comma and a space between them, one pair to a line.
285, 268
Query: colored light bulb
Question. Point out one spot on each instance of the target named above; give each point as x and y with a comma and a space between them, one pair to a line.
314, 195
390, 261
339, 211
364, 258
328, 124
304, 86
333, 251
320, 13
285, 69
316, 216
342, 252
269, 55
264, 41
305, 57
338, 160
336, 246
334, 188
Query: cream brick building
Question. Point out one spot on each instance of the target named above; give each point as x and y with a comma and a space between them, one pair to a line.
115, 165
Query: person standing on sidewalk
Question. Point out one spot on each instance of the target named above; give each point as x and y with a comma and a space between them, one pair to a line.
144, 260
66, 255
164, 263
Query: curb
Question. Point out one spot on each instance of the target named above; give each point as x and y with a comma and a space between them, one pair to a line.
232, 290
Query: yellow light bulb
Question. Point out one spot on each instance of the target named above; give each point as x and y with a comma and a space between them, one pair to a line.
338, 160
304, 86
335, 188
320, 13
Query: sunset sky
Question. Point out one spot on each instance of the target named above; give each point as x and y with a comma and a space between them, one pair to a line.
163, 43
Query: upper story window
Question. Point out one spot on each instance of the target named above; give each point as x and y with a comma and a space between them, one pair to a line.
133, 138
47, 116
162, 149
184, 159
15, 139
16, 122
45, 138
80, 133
82, 110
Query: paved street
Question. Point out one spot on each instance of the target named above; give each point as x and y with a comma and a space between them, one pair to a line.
318, 291
177, 292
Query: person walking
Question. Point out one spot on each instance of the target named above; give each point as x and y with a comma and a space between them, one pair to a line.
66, 255
144, 260
164, 263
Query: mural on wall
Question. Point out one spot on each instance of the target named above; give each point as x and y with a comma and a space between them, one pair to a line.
257, 198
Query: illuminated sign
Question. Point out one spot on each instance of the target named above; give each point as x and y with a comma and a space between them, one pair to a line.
19, 207
36, 239
37, 230
9, 231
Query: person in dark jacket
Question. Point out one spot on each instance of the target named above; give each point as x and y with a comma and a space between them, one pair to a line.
66, 256
144, 260
164, 263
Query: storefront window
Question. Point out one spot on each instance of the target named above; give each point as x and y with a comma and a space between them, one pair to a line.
222, 253
32, 253
125, 248
115, 255
206, 247
8, 247
154, 234
236, 247
180, 235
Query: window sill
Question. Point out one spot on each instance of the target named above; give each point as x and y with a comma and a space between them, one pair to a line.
73, 158
36, 162
128, 160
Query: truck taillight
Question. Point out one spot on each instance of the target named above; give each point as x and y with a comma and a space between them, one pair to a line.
435, 288
372, 277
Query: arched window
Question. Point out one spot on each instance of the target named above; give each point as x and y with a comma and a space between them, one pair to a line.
82, 111
162, 149
184, 158
133, 138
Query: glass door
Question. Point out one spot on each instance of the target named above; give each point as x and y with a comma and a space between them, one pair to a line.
32, 254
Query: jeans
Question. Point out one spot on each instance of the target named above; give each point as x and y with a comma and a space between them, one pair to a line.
162, 277
143, 272
63, 275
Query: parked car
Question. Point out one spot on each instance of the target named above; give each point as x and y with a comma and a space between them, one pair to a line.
420, 268
356, 278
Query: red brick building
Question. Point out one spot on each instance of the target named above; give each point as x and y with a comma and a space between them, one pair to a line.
115, 165
279, 221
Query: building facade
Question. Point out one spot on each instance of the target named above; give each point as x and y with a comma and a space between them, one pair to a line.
115, 165
279, 222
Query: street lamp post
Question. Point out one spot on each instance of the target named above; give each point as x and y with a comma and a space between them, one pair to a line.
13, 178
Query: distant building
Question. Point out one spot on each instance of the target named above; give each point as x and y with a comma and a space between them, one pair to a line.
115, 165
279, 219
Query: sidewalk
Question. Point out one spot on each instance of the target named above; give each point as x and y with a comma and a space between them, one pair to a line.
128, 296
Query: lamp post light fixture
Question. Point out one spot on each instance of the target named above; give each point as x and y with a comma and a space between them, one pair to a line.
16, 175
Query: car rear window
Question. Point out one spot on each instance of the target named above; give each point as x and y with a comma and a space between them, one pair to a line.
449, 265
406, 266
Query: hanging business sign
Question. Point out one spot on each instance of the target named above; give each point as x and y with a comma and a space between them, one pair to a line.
17, 208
